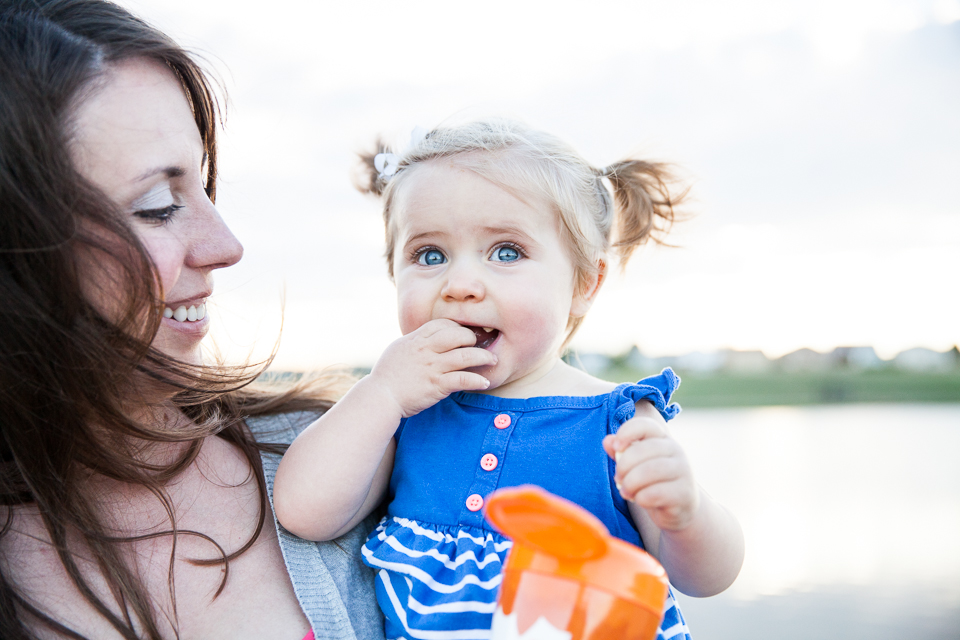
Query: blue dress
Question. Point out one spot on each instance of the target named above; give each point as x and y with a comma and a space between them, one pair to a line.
439, 561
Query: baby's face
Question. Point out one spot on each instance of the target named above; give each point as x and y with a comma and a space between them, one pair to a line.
470, 251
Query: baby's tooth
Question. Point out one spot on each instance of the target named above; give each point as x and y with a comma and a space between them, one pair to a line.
167, 312
488, 329
192, 313
180, 314
201, 312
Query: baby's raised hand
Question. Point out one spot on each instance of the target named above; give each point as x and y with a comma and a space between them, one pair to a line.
425, 366
653, 471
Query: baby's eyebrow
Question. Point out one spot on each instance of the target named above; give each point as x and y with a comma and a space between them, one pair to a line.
423, 235
508, 230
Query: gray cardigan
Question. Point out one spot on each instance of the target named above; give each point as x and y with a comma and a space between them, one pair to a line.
335, 589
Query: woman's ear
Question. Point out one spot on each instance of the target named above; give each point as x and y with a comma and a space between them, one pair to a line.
583, 301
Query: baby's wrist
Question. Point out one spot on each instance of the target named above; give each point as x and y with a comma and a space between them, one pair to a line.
687, 522
378, 397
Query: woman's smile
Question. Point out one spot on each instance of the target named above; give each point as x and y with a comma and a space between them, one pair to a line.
183, 314
137, 141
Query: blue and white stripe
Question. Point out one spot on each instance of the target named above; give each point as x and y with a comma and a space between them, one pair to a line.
441, 583
673, 626
436, 583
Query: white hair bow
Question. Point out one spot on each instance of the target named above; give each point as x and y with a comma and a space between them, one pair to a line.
387, 164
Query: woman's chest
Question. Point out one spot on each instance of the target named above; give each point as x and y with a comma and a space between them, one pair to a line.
192, 593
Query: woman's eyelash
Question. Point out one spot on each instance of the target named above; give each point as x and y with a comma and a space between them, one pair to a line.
158, 215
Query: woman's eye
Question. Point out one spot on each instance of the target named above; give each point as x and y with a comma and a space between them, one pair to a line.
158, 215
431, 257
505, 254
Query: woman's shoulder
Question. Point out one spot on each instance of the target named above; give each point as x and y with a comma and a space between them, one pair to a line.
281, 428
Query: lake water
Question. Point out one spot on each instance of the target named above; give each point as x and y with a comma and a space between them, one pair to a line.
851, 515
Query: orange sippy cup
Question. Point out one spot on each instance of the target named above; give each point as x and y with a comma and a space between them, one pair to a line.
567, 578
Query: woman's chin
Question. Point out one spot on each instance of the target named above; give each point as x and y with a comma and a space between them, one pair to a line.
181, 340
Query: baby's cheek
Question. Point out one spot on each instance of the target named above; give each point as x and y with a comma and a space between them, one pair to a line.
411, 315
540, 329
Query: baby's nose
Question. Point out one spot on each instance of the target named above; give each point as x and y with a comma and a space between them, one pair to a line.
463, 284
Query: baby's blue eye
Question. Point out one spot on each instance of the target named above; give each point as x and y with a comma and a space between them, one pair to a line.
431, 257
505, 254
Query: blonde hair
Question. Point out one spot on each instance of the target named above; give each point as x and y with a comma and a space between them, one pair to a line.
614, 209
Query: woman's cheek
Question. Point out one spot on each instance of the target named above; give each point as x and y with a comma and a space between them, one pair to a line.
168, 257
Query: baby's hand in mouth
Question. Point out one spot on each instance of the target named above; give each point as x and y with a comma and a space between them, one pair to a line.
486, 336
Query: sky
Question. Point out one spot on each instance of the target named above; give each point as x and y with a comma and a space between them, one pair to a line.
821, 140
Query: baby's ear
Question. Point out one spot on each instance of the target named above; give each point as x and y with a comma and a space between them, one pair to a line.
583, 300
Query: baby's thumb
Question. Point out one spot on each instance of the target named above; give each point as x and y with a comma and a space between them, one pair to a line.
610, 446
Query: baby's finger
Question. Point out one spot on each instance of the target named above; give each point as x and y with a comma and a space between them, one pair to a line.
432, 327
451, 336
656, 471
662, 495
462, 381
465, 358
642, 451
671, 505
637, 429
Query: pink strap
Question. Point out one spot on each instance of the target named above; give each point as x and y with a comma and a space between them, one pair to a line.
309, 636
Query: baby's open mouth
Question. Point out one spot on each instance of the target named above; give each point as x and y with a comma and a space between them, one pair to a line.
485, 336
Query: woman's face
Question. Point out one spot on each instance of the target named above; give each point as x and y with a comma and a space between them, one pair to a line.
135, 139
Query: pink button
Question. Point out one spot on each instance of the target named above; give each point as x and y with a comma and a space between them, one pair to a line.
502, 421
475, 502
488, 462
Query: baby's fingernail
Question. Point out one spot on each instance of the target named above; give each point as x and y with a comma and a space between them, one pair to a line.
619, 486
616, 458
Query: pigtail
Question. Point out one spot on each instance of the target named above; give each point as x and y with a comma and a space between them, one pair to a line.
367, 177
645, 205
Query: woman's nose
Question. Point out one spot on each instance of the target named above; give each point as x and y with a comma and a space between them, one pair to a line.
214, 246
462, 284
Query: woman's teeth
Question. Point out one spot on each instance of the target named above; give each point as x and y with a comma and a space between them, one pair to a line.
185, 314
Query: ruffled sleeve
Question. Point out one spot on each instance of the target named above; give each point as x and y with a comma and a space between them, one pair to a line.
655, 389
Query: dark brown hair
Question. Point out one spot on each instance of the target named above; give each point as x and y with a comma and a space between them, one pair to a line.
68, 375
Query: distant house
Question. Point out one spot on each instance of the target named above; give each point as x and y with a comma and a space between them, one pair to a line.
856, 358
922, 359
746, 361
636, 359
593, 363
700, 362
805, 360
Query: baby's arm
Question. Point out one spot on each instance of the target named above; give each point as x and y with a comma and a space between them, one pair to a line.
695, 538
338, 470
